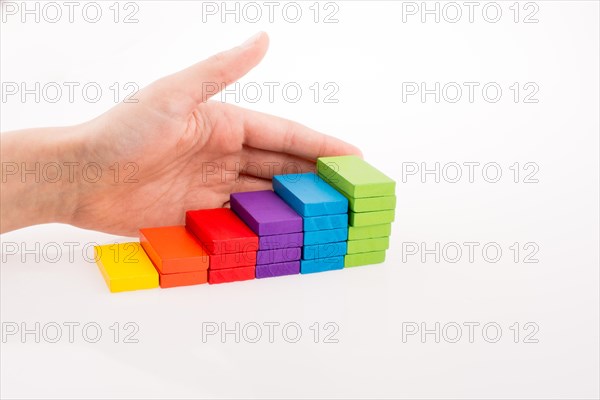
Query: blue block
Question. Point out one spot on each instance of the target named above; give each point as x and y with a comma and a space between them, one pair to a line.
326, 222
325, 236
321, 265
309, 195
324, 250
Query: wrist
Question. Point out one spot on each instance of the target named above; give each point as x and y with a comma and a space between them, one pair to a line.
64, 194
36, 180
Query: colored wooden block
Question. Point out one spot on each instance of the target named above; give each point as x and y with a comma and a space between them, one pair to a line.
232, 260
279, 269
368, 245
173, 249
278, 255
280, 241
321, 265
183, 279
125, 266
266, 213
230, 275
221, 231
309, 195
358, 259
355, 177
369, 231
371, 218
324, 250
326, 222
326, 236
366, 204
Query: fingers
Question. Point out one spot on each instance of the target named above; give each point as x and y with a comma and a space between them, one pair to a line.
263, 131
265, 164
208, 77
247, 183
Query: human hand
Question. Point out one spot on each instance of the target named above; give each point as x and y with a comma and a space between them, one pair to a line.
189, 153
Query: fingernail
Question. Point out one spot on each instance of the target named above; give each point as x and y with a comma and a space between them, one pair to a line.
252, 40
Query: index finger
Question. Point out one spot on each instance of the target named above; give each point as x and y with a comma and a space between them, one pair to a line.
272, 133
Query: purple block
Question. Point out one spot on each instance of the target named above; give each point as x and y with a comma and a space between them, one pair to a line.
278, 255
279, 269
280, 241
265, 213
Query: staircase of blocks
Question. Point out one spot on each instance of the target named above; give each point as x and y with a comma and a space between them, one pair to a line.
338, 218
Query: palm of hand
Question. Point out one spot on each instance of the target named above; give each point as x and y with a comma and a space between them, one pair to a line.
188, 153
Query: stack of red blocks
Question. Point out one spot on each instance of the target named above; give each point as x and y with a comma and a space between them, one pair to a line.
231, 245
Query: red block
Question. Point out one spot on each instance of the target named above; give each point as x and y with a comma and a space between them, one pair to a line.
173, 249
230, 275
182, 279
221, 231
232, 260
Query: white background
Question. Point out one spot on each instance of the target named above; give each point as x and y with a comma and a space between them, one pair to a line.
368, 54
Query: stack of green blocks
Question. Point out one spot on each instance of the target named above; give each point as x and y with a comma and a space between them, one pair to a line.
372, 201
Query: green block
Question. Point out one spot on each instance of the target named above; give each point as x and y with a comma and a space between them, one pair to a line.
368, 232
355, 177
366, 204
368, 245
371, 218
356, 260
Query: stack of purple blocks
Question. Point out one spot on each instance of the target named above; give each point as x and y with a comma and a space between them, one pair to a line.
279, 230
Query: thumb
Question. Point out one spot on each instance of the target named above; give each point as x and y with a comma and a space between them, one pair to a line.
207, 78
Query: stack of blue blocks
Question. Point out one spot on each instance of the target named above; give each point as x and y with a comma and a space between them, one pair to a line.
324, 213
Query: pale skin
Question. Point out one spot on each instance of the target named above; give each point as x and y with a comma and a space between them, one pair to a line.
187, 153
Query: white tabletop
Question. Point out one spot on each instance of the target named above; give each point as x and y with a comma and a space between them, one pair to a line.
360, 329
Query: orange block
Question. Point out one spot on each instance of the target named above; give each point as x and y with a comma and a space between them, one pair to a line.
173, 250
182, 279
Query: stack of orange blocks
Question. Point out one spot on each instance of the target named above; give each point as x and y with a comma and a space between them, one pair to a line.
177, 255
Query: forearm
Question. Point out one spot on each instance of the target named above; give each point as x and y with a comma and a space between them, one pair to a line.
38, 185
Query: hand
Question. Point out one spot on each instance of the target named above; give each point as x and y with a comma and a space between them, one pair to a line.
187, 152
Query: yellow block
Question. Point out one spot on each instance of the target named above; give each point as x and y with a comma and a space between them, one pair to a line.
125, 266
